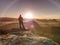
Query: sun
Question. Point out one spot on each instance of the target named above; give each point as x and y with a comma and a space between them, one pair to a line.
28, 15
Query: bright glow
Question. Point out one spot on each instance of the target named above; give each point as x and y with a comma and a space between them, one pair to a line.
28, 15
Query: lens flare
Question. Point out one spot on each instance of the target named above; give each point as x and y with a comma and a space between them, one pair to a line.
55, 3
8, 6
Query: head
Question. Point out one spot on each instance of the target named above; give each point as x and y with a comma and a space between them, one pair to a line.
20, 15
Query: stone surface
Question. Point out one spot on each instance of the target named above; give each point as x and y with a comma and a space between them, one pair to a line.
26, 39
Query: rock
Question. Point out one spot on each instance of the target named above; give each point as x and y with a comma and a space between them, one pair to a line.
26, 39
20, 40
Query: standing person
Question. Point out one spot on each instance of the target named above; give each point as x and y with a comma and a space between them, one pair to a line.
21, 22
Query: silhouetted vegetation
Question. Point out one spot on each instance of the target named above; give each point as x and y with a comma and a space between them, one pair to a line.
3, 32
56, 33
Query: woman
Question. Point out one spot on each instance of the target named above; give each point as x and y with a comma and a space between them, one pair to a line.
21, 22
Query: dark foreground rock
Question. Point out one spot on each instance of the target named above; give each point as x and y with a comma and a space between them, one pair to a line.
30, 39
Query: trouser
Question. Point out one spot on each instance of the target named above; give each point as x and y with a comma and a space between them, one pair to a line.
21, 25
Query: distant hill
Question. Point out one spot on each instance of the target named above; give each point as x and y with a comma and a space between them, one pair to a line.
50, 20
5, 19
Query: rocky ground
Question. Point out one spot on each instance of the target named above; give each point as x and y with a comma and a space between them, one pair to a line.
25, 38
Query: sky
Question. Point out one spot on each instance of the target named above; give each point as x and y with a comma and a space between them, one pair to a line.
49, 9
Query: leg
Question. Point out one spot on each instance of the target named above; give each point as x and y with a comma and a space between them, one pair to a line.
20, 25
23, 26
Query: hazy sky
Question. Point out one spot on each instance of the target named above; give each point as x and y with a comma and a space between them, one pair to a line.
39, 8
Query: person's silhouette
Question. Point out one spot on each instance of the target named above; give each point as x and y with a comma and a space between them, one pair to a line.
21, 22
